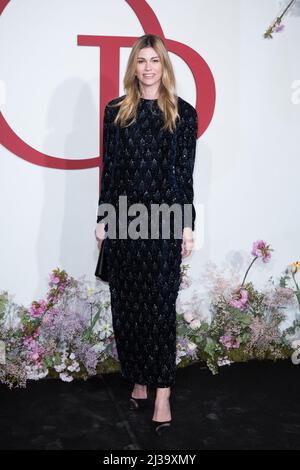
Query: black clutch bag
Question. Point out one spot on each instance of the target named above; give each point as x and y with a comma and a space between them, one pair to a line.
101, 268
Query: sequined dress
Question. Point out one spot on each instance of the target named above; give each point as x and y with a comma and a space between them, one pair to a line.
148, 165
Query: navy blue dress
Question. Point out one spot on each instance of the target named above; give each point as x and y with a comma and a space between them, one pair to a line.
148, 165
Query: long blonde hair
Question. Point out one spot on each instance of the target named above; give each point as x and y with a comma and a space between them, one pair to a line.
167, 100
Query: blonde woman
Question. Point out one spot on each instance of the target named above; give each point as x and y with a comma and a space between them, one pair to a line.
149, 147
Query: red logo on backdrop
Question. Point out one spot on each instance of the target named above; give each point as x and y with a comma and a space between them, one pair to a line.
109, 86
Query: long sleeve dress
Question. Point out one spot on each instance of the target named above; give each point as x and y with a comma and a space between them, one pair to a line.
148, 165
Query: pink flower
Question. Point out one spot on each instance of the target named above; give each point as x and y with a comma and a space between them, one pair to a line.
27, 340
34, 349
52, 296
235, 343
241, 301
37, 333
54, 279
262, 250
33, 355
37, 309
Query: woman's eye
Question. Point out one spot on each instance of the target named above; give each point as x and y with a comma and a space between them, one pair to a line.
141, 61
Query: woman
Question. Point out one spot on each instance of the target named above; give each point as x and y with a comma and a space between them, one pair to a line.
148, 156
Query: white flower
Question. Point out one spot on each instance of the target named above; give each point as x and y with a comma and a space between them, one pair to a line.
72, 356
191, 346
296, 344
36, 372
296, 357
90, 291
105, 329
99, 347
224, 361
74, 367
195, 324
60, 367
188, 316
43, 373
180, 353
12, 321
65, 377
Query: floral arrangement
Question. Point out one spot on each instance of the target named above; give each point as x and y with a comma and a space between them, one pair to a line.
69, 334
245, 322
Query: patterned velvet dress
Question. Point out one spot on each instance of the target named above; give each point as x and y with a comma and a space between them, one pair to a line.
149, 165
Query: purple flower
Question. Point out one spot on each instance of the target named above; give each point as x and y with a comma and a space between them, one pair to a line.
279, 28
230, 342
188, 347
225, 340
114, 351
88, 356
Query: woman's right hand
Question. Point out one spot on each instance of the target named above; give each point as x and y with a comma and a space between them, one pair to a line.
100, 234
187, 242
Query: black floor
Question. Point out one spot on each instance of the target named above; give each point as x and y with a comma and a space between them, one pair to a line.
254, 405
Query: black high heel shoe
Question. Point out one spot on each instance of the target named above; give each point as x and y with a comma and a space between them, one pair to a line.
159, 427
138, 403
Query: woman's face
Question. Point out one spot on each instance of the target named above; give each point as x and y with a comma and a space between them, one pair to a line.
148, 67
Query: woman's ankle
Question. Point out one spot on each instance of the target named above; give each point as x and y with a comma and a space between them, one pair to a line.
139, 391
162, 411
163, 393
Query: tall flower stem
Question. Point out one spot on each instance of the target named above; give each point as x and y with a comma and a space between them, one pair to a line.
296, 284
268, 33
248, 270
297, 288
286, 9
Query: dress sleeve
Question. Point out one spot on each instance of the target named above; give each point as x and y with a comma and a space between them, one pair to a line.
107, 162
185, 160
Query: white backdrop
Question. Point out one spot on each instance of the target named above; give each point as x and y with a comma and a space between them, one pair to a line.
246, 175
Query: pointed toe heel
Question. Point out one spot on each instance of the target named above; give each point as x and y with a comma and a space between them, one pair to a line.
160, 427
138, 403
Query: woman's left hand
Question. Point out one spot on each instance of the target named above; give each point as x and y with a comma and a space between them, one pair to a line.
187, 242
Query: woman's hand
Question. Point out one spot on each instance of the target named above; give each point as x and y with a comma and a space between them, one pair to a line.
100, 234
187, 242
